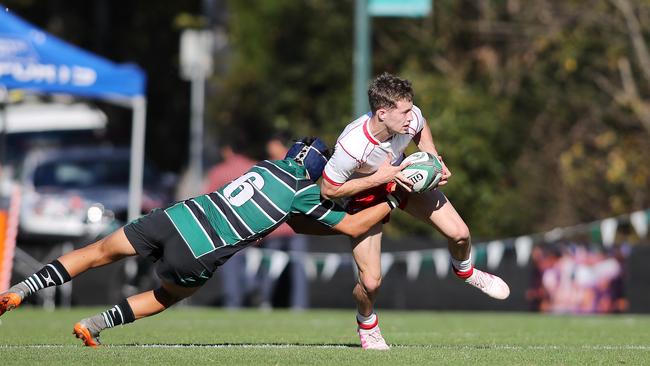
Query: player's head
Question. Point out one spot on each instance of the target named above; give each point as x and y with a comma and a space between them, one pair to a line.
312, 153
386, 90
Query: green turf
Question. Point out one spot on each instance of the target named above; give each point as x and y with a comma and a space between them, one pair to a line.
193, 336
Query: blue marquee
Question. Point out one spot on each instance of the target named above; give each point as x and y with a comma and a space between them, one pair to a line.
34, 60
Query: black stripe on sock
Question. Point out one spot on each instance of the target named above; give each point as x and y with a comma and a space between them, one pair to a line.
53, 274
127, 312
119, 314
62, 271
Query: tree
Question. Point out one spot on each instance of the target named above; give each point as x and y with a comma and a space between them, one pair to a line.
539, 108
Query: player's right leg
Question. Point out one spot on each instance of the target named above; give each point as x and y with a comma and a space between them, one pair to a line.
366, 251
107, 250
129, 310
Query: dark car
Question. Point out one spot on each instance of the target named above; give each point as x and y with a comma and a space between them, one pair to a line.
76, 192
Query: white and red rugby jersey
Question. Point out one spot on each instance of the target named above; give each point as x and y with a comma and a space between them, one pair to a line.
357, 153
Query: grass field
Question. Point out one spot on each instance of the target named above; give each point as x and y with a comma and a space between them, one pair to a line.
197, 336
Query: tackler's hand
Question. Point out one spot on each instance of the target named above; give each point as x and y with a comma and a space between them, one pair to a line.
401, 191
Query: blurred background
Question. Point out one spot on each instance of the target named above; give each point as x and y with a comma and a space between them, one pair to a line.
540, 109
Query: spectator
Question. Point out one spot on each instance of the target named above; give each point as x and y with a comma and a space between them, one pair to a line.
576, 278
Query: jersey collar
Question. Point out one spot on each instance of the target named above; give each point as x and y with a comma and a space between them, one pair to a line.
366, 131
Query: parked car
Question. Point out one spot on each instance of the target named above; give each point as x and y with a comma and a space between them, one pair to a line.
75, 192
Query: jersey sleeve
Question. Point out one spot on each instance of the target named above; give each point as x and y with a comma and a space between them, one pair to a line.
340, 166
418, 121
309, 202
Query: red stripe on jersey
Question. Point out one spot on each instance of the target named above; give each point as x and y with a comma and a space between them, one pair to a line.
330, 181
347, 152
364, 156
368, 134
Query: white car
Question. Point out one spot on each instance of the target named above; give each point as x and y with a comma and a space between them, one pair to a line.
77, 192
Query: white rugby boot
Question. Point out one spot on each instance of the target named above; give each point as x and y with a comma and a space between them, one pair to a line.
490, 284
372, 338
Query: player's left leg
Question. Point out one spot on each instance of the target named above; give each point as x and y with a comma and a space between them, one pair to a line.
129, 310
434, 208
107, 250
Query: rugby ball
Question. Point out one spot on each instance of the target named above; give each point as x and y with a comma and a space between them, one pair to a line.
424, 172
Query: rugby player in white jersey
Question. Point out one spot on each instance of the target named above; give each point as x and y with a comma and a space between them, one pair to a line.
356, 171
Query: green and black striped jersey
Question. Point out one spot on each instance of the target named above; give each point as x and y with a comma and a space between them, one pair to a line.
250, 207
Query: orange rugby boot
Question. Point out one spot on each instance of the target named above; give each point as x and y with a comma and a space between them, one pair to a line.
82, 331
9, 301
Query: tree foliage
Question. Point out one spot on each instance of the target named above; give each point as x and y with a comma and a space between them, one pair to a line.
528, 102
540, 109
288, 70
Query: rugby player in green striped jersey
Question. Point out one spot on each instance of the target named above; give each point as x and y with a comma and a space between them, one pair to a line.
190, 239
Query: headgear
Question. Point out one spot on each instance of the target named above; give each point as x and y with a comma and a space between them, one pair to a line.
312, 153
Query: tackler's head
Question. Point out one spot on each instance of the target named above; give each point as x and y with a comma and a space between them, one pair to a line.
312, 153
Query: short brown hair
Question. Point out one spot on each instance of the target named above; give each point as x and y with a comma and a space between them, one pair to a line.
386, 90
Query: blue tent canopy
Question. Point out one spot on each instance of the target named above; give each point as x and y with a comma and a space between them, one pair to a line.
35, 60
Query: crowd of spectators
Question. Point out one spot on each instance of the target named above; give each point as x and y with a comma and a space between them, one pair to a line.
575, 278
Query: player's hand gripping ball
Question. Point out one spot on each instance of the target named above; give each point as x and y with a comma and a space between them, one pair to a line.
424, 172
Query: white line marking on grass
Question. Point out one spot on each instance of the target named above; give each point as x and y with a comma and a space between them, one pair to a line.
244, 345
339, 346
531, 347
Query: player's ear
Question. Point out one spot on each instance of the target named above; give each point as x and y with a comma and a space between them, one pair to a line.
381, 113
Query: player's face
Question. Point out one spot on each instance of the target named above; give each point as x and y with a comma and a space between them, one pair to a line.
397, 119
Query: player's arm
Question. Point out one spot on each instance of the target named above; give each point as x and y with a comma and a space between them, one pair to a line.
424, 140
384, 174
353, 225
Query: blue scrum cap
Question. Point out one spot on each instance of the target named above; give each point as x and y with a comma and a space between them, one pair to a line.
312, 153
